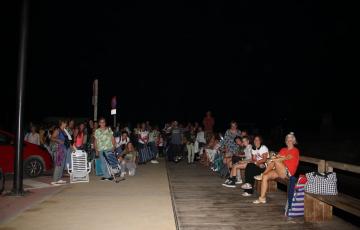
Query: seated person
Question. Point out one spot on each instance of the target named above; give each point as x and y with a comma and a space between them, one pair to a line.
284, 165
260, 154
246, 157
128, 160
210, 150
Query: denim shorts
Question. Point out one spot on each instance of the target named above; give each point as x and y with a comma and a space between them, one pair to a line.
287, 172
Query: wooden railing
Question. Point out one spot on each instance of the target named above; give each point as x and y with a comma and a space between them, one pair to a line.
321, 164
330, 165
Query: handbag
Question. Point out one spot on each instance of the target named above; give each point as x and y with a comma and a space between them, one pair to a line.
321, 183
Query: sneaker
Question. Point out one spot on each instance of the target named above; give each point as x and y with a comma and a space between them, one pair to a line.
226, 182
246, 186
61, 182
154, 162
106, 179
258, 177
231, 184
245, 194
55, 184
260, 201
122, 174
239, 181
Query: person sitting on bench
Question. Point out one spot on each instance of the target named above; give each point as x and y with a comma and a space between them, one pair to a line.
284, 165
260, 154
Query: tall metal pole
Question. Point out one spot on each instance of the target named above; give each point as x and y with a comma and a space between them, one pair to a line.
18, 189
95, 97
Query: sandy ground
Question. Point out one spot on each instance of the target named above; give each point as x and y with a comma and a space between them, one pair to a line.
139, 202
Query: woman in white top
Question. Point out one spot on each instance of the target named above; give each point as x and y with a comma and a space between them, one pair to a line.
260, 154
33, 137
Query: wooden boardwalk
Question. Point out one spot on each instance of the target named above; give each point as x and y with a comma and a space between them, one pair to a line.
201, 202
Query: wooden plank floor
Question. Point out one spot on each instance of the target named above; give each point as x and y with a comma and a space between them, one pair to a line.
201, 202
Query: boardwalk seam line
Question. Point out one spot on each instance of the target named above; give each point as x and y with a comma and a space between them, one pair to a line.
172, 197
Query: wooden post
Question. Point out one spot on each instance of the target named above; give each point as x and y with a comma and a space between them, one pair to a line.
321, 166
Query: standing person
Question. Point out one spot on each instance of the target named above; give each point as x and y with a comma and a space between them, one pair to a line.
160, 142
80, 137
229, 145
208, 123
70, 128
200, 140
153, 136
33, 137
60, 145
104, 144
143, 139
190, 141
175, 142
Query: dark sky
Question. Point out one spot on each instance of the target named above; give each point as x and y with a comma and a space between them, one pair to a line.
254, 61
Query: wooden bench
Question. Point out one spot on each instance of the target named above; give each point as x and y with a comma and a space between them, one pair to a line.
320, 208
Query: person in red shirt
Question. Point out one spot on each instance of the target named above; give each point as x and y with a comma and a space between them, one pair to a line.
284, 165
208, 123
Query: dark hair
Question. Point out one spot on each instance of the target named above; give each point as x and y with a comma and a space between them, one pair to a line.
237, 137
101, 118
260, 137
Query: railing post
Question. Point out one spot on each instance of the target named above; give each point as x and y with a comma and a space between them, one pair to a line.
322, 166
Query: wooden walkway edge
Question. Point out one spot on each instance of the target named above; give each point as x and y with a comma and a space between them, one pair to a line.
201, 202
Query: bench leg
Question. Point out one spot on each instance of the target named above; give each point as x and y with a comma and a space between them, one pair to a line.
316, 210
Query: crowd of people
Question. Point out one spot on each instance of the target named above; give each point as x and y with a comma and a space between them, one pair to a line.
230, 155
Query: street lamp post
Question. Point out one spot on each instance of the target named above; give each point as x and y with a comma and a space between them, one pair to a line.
18, 189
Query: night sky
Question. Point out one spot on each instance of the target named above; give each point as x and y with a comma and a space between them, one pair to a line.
253, 61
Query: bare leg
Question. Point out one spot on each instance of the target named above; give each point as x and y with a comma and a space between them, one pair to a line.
269, 167
280, 169
265, 182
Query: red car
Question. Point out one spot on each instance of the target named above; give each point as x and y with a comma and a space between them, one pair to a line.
36, 159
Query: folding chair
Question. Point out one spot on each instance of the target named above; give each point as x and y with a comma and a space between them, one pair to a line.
80, 167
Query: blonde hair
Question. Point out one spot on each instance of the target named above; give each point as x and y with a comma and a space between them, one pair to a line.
291, 135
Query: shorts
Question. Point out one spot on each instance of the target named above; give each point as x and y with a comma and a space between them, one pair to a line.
287, 172
236, 159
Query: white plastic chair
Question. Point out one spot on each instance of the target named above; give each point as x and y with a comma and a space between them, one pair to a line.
80, 167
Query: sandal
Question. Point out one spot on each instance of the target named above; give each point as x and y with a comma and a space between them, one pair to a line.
260, 201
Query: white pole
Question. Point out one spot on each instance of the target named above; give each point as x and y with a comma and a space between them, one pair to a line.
95, 97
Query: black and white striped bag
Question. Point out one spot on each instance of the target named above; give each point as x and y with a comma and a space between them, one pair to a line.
321, 183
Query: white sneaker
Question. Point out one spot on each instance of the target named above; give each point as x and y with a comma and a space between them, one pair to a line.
122, 174
55, 184
246, 186
258, 177
239, 181
245, 194
154, 162
61, 182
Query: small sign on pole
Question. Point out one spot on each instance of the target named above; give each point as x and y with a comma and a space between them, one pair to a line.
113, 108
